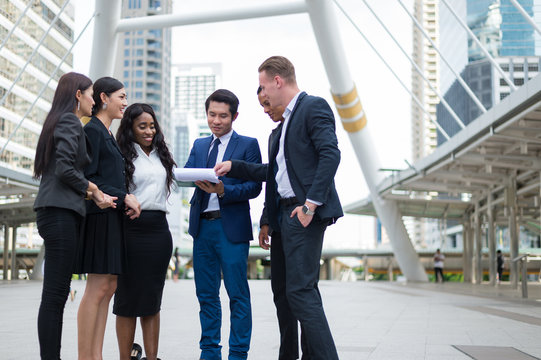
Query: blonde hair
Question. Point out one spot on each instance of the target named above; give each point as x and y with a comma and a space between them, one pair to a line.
281, 66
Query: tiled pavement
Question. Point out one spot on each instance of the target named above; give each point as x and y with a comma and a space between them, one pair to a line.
375, 320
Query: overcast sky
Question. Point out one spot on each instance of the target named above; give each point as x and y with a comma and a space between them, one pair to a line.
241, 46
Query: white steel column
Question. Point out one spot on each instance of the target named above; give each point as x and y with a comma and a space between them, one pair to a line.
104, 46
511, 196
466, 248
354, 121
491, 241
478, 258
14, 265
6, 252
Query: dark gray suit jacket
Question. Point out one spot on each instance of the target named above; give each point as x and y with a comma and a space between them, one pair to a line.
312, 158
63, 183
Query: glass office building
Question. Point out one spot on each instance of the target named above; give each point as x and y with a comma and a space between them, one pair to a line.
502, 29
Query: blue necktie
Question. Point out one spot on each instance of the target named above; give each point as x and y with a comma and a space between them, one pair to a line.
211, 161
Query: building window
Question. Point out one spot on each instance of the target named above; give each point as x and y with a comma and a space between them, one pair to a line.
139, 73
533, 67
126, 53
503, 95
126, 41
138, 94
138, 84
519, 81
126, 62
126, 74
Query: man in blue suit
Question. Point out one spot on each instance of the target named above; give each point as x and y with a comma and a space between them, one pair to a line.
300, 199
221, 226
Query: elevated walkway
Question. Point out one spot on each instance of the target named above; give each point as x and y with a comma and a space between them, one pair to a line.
369, 320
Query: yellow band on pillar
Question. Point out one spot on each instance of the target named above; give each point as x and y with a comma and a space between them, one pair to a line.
354, 126
344, 99
351, 111
349, 107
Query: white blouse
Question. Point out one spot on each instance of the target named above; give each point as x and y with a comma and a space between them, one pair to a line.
150, 179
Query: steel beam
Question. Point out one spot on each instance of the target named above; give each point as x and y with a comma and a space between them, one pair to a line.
354, 122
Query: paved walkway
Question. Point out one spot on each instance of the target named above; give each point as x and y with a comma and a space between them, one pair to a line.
375, 320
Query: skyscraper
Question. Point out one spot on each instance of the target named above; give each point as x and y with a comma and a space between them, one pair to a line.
423, 131
510, 40
26, 64
192, 84
143, 61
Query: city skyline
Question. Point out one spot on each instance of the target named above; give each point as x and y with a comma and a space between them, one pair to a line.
242, 45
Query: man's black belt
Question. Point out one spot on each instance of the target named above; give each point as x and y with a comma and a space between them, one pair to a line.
289, 201
211, 215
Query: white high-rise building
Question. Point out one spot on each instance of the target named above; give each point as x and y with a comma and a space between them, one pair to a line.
424, 135
28, 59
143, 61
192, 84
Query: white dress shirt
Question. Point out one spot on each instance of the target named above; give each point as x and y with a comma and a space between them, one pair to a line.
150, 180
214, 204
282, 178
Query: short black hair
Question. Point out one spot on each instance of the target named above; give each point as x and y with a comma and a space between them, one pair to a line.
224, 96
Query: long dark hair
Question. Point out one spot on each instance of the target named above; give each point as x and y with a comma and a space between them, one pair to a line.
126, 140
106, 85
64, 101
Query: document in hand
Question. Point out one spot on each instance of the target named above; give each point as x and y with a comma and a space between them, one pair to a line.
195, 174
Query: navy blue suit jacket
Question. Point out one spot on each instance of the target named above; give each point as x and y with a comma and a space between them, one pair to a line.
234, 206
312, 158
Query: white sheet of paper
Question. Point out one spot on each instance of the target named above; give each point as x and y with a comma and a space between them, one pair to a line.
195, 174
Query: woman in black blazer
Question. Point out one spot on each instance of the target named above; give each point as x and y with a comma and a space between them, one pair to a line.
103, 252
61, 155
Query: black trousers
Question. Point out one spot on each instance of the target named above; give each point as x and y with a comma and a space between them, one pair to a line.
59, 229
302, 254
438, 274
289, 336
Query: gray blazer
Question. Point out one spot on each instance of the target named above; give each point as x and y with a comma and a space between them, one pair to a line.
63, 183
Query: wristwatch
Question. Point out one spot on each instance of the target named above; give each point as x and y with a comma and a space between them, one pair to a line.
221, 196
307, 211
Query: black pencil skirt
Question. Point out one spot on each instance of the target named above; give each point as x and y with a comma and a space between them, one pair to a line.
149, 247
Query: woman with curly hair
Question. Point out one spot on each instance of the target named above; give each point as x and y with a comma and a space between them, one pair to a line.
149, 176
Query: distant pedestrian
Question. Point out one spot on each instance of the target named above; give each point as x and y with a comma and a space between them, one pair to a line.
438, 265
176, 261
499, 264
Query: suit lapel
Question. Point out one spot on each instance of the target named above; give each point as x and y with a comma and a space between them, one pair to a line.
233, 142
291, 117
275, 140
205, 144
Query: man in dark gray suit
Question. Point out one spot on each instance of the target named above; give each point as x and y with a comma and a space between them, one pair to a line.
301, 199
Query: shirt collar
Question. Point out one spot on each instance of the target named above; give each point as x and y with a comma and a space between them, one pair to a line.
291, 105
140, 150
224, 139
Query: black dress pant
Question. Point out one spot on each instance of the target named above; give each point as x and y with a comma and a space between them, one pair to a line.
302, 253
59, 229
289, 336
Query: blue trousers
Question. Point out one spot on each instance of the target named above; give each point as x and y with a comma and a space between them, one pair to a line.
214, 254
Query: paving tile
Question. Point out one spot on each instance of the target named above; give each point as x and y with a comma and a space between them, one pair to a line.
373, 321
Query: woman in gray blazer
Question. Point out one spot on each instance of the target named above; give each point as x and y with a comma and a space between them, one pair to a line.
61, 155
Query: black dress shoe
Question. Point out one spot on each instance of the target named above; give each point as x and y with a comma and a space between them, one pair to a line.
136, 352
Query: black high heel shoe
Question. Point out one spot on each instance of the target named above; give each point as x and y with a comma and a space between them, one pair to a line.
136, 352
